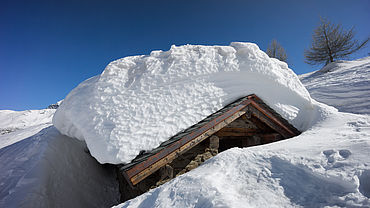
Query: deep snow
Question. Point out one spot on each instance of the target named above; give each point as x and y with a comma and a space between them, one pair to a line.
342, 84
47, 169
140, 101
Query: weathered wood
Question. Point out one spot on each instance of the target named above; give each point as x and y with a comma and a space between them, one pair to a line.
214, 142
236, 132
166, 172
253, 141
268, 138
270, 120
167, 159
242, 123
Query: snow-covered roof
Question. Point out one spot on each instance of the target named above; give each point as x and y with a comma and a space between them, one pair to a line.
150, 161
140, 101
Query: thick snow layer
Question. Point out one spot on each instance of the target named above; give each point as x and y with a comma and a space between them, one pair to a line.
328, 165
140, 101
52, 170
18, 125
342, 84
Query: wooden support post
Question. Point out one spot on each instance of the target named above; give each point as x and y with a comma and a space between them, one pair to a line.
214, 142
166, 172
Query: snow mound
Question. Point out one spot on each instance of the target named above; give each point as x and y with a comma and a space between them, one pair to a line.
140, 101
342, 84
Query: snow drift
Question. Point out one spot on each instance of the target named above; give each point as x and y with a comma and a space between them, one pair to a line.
140, 101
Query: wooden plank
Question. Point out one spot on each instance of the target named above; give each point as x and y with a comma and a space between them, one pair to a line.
154, 167
238, 129
268, 138
235, 134
227, 131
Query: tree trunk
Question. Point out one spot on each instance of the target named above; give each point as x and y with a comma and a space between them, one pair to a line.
331, 58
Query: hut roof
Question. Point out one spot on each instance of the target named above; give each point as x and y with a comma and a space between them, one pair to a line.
148, 162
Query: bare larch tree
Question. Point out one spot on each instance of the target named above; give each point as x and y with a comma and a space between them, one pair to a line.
331, 42
275, 50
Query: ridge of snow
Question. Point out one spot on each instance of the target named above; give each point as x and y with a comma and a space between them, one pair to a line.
342, 84
140, 101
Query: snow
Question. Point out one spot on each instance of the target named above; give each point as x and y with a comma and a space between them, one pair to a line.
342, 84
18, 125
140, 101
328, 165
52, 170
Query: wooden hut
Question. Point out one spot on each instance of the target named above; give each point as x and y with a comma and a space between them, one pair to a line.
245, 122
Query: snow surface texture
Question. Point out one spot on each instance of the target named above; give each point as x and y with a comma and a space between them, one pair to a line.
326, 166
342, 84
18, 125
52, 170
140, 101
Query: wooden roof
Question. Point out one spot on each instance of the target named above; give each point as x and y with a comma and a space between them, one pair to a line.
148, 162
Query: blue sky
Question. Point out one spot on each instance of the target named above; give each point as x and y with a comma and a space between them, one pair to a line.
48, 47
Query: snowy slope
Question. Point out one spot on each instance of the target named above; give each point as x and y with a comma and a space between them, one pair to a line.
52, 170
18, 125
328, 165
342, 84
140, 101
39, 167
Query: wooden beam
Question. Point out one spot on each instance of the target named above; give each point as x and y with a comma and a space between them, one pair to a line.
270, 120
214, 142
227, 131
268, 138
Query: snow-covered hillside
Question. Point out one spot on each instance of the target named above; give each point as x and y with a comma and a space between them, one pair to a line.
342, 84
18, 125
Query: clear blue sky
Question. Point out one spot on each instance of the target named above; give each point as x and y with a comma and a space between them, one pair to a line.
48, 47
